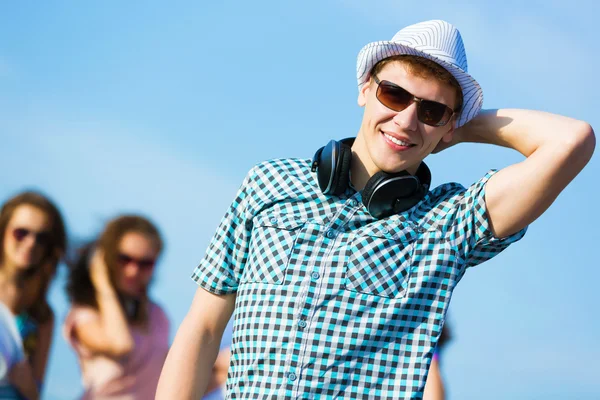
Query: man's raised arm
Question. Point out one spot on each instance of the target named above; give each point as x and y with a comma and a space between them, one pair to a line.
557, 148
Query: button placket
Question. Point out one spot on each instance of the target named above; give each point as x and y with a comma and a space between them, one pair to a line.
326, 239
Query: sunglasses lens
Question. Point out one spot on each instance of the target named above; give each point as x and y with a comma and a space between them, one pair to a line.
396, 98
146, 264
20, 233
43, 238
393, 96
124, 259
433, 113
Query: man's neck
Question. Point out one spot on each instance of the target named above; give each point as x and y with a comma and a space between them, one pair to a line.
358, 173
361, 172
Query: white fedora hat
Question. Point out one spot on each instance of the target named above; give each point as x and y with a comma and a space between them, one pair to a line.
437, 41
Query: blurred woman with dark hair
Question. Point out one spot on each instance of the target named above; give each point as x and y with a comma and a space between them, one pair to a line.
120, 336
33, 240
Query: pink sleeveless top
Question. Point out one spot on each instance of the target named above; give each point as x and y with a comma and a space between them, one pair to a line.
133, 377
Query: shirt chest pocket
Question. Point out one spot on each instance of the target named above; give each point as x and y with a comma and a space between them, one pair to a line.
272, 243
380, 260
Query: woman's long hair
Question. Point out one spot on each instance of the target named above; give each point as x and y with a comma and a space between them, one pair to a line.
39, 309
80, 288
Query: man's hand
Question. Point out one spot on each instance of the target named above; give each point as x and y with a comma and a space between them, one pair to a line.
457, 137
443, 145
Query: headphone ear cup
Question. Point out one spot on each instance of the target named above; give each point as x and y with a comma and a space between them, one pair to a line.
341, 174
370, 186
316, 160
386, 194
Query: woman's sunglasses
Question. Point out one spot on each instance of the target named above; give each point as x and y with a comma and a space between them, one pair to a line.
41, 238
142, 263
396, 98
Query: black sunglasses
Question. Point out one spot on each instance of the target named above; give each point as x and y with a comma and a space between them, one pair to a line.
396, 98
143, 263
41, 238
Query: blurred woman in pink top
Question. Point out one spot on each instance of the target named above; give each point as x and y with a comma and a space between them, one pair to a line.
120, 336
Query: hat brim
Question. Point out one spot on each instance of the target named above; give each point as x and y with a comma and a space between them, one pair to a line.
374, 52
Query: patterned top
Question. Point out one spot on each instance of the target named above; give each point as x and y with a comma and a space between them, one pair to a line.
332, 303
28, 328
11, 352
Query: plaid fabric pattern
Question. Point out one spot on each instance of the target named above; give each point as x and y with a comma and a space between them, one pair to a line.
332, 304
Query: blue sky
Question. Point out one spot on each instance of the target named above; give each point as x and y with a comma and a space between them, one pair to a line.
113, 107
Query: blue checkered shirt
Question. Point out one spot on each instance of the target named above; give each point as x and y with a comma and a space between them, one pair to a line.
331, 303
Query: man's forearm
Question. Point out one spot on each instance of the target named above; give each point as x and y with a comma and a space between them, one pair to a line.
188, 368
523, 130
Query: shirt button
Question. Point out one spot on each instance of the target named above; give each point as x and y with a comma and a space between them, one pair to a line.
330, 234
353, 203
315, 276
385, 230
292, 377
273, 220
302, 324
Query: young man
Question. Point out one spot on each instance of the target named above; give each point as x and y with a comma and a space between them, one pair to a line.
340, 278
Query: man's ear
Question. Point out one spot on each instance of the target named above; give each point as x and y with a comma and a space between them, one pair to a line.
363, 92
447, 138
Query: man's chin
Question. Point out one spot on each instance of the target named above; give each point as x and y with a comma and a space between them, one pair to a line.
410, 167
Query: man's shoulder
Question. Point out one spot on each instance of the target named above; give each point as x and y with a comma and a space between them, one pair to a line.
281, 178
439, 205
454, 191
445, 202
281, 172
445, 192
287, 166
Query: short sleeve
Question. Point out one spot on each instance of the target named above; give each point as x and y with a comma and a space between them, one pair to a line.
220, 270
11, 347
470, 229
78, 316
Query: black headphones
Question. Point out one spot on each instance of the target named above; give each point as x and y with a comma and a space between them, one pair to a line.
384, 194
